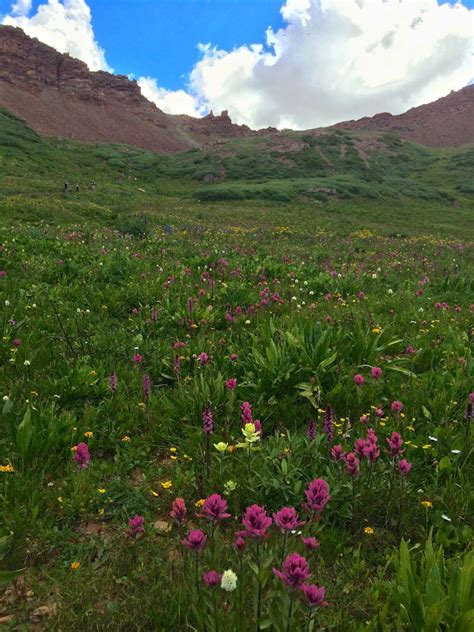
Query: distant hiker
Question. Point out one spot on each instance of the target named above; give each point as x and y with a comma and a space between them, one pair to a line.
93, 185
66, 187
77, 187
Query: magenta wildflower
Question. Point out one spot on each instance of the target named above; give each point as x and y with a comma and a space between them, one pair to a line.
314, 595
231, 383
404, 467
195, 540
246, 415
146, 387
113, 382
233, 357
352, 464
317, 496
178, 510
82, 456
214, 508
379, 412
397, 406
311, 432
328, 426
358, 379
310, 543
207, 421
295, 571
376, 372
256, 522
395, 442
239, 544
359, 446
287, 519
410, 350
203, 358
212, 578
337, 452
371, 451
137, 358
136, 525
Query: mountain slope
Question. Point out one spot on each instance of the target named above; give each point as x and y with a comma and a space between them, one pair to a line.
58, 96
447, 122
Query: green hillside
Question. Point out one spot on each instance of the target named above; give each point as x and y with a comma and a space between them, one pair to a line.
340, 180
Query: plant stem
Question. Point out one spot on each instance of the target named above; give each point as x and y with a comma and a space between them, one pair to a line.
290, 612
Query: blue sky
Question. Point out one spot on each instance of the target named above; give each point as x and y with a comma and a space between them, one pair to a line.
323, 61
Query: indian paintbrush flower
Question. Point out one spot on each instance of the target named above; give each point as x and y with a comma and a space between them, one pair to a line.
295, 571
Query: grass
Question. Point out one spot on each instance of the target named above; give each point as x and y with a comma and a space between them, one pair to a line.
125, 313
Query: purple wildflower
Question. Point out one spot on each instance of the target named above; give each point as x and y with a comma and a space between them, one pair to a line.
195, 540
82, 456
287, 519
295, 571
328, 426
178, 510
113, 382
256, 522
404, 467
311, 432
314, 595
207, 421
146, 387
214, 508
136, 525
212, 578
317, 496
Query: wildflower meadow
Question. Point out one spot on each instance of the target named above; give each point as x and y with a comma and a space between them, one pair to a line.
235, 428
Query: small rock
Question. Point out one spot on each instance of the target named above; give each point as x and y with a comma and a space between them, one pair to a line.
162, 527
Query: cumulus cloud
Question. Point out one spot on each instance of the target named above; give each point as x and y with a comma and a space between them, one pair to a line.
21, 7
170, 101
340, 59
66, 26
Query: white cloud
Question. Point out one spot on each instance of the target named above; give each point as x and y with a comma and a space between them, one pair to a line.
66, 26
340, 59
21, 7
170, 101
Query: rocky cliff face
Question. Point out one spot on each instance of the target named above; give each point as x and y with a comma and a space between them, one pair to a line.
449, 121
58, 95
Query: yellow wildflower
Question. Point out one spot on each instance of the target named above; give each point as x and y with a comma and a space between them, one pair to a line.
376, 330
199, 503
166, 484
89, 434
369, 531
101, 490
7, 468
173, 449
75, 566
126, 438
153, 493
427, 504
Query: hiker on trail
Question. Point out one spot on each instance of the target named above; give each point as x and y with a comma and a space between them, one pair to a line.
77, 187
66, 187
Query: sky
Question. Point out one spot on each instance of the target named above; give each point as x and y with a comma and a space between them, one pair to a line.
284, 63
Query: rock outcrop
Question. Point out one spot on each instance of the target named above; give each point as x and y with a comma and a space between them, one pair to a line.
58, 95
449, 121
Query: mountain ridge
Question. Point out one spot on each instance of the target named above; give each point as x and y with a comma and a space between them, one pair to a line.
57, 95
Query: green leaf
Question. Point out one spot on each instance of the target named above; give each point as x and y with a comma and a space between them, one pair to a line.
6, 577
24, 434
444, 464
